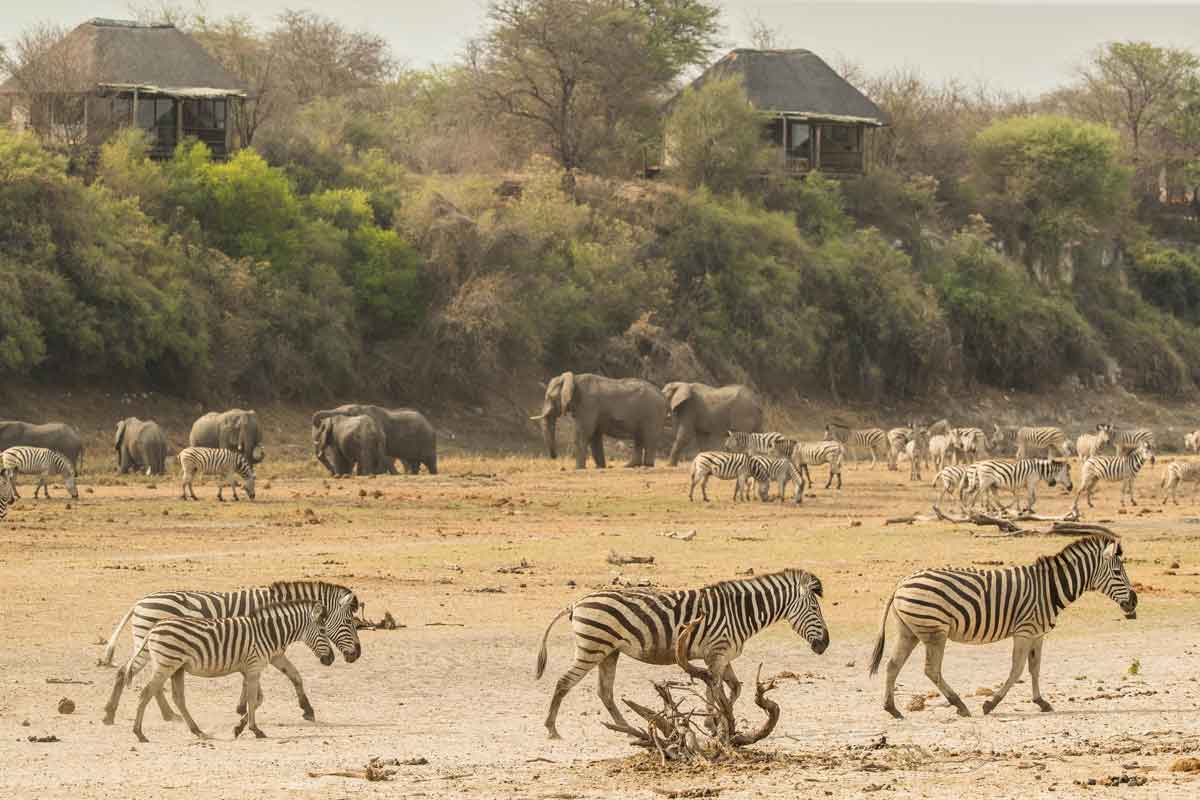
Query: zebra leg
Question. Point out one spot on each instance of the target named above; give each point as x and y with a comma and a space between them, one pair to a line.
281, 663
735, 686
164, 708
566, 683
935, 649
177, 693
1035, 668
704, 486
153, 687
42, 485
1132, 500
901, 650
1019, 656
114, 699
253, 695
233, 486
692, 489
220, 489
607, 674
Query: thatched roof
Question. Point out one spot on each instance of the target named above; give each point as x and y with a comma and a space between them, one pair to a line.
121, 54
795, 82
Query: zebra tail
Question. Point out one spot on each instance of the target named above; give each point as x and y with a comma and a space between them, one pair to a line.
877, 656
136, 661
111, 646
541, 662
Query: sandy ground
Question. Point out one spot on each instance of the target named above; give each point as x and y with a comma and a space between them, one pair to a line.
455, 686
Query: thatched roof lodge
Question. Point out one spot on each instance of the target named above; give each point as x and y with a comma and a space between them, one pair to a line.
107, 74
816, 118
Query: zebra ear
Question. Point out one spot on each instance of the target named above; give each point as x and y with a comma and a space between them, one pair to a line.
1110, 550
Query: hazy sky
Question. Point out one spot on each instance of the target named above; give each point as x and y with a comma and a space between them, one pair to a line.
1009, 44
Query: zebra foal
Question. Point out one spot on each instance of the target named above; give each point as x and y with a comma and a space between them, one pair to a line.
40, 461
1178, 472
339, 602
1112, 468
764, 469
213, 648
229, 464
726, 466
644, 624
974, 606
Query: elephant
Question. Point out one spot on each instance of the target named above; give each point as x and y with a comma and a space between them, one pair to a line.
408, 434
623, 408
140, 444
343, 442
706, 415
53, 435
235, 429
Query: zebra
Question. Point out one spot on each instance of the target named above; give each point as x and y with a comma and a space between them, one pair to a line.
1178, 472
943, 448
1090, 444
752, 443
229, 464
870, 438
1113, 468
950, 479
643, 624
40, 461
811, 454
974, 606
1044, 438
1024, 473
214, 648
726, 466
1126, 441
764, 469
917, 450
970, 442
8, 493
339, 602
898, 439
1191, 441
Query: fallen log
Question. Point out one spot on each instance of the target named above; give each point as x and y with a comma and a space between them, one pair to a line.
617, 559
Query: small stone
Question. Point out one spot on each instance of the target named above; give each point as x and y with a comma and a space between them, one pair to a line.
66, 706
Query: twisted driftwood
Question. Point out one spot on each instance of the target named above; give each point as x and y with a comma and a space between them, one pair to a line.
674, 732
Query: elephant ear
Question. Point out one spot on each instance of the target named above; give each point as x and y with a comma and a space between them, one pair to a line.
568, 390
120, 434
681, 395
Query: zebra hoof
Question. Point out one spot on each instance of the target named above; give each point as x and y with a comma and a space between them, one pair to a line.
237, 730
894, 712
1043, 705
258, 734
988, 705
310, 715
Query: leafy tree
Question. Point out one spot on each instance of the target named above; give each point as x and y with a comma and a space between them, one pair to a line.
714, 137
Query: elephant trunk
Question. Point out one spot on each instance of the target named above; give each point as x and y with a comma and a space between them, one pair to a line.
549, 434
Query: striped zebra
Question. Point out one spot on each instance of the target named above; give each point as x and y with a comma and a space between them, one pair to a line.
339, 602
812, 454
943, 450
1045, 438
1090, 444
726, 466
1025, 473
214, 648
917, 451
40, 461
897, 440
1126, 441
1113, 468
1178, 472
229, 464
752, 443
934, 606
870, 438
8, 493
971, 443
951, 479
764, 469
643, 625
1191, 441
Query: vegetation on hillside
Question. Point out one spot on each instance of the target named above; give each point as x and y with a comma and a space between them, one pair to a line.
432, 234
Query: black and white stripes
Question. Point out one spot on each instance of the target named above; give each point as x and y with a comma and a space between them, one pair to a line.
725, 466
216, 647
1031, 441
1113, 468
644, 624
988, 477
764, 469
1127, 440
752, 443
229, 464
934, 606
40, 461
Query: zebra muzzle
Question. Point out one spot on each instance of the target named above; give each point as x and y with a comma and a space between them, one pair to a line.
821, 644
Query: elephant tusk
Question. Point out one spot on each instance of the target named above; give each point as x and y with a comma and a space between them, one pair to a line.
539, 416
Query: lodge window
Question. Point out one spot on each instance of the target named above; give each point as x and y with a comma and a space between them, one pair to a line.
841, 139
799, 140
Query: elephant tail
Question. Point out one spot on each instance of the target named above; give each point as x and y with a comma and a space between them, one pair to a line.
541, 662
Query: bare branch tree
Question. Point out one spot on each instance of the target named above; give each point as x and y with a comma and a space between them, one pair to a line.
53, 81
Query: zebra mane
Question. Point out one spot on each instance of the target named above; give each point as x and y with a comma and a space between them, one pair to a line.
804, 576
1103, 538
280, 586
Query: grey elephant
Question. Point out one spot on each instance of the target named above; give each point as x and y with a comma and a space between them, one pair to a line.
705, 415
623, 408
140, 444
236, 429
54, 435
408, 434
342, 443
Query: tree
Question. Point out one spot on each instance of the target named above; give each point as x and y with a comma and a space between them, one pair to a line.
250, 56
53, 79
582, 71
1047, 181
714, 137
317, 57
1136, 87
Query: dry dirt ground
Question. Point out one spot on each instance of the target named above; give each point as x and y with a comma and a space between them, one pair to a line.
455, 685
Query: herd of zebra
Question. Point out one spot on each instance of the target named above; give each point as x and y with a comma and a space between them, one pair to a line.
960, 456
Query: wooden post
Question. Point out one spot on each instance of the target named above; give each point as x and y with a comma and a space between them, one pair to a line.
816, 147
786, 125
133, 122
229, 101
178, 120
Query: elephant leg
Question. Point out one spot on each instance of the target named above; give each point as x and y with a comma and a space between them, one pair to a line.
597, 447
431, 463
682, 436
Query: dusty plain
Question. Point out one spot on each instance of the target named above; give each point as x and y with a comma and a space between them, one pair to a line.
455, 685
